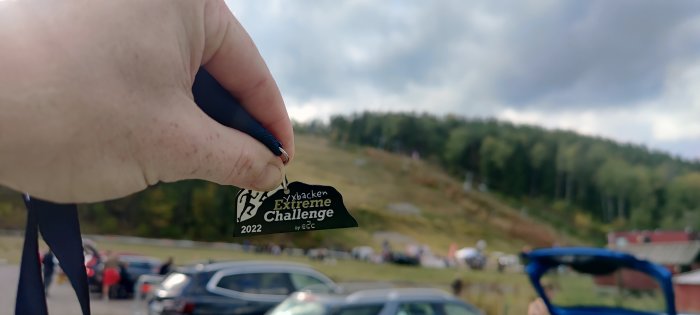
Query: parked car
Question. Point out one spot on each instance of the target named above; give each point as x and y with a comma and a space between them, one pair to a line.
472, 257
363, 253
376, 302
403, 259
242, 288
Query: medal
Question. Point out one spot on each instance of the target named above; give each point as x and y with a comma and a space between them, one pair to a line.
291, 207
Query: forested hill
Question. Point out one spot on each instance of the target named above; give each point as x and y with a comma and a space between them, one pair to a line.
586, 178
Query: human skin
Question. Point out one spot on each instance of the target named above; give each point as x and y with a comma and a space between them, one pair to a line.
96, 101
537, 307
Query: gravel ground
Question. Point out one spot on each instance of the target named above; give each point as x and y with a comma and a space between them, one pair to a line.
62, 299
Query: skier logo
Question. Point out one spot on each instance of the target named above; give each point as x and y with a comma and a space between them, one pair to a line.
248, 202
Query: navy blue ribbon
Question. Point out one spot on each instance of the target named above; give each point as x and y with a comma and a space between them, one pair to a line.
220, 105
59, 225
60, 229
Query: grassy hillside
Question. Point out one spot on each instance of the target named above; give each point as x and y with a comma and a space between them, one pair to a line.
374, 181
377, 187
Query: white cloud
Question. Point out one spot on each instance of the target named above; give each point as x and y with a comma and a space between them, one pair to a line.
671, 117
676, 115
367, 98
629, 70
622, 125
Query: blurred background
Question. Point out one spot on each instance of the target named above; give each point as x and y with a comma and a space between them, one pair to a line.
459, 133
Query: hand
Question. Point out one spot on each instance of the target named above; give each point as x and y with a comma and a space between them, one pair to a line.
537, 307
96, 102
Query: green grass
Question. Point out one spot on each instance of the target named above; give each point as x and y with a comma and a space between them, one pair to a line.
11, 249
580, 290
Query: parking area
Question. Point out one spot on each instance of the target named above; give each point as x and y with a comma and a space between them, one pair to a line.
482, 288
62, 299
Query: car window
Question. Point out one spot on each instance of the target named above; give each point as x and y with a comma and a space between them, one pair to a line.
415, 309
457, 309
303, 281
257, 283
372, 309
139, 265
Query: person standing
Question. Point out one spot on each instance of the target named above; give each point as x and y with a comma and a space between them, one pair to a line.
110, 274
166, 267
126, 284
457, 285
49, 267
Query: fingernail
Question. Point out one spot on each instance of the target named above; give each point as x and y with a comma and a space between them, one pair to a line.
269, 179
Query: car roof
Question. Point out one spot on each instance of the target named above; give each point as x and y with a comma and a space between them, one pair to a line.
137, 258
244, 264
399, 294
383, 295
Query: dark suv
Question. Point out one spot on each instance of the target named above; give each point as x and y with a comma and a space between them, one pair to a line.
242, 288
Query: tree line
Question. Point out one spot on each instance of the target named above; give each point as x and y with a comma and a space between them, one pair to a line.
590, 180
603, 180
191, 209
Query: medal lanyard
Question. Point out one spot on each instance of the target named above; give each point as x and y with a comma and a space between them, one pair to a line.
59, 225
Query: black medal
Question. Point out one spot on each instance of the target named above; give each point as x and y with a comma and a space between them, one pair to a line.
294, 207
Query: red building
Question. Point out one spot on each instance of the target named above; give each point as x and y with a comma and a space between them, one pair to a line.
679, 251
678, 257
629, 279
687, 289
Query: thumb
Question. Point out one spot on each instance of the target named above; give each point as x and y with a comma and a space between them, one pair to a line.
232, 58
197, 147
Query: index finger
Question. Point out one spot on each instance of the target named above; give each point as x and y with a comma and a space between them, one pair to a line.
233, 59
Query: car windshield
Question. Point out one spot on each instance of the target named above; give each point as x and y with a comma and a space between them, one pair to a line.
621, 288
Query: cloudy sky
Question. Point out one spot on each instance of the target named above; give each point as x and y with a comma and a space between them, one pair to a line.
627, 70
